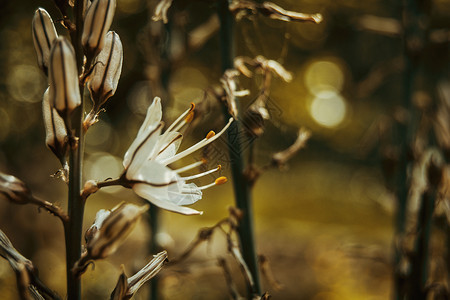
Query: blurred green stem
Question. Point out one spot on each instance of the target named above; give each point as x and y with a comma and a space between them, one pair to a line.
242, 188
73, 229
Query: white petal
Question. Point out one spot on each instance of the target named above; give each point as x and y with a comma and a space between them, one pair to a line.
152, 121
144, 191
154, 173
153, 117
169, 147
139, 152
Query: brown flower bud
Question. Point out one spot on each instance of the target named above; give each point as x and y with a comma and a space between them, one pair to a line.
113, 230
44, 34
56, 133
108, 66
14, 189
97, 21
64, 92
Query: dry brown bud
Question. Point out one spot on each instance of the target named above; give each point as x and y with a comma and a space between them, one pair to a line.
97, 21
64, 92
100, 217
108, 66
44, 34
14, 189
55, 129
113, 230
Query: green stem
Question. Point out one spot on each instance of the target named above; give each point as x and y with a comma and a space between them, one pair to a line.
73, 229
242, 188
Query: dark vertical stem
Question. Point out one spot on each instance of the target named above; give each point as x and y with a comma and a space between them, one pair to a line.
414, 39
154, 216
420, 263
73, 229
242, 188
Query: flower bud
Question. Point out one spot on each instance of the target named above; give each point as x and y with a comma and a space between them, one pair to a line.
108, 66
14, 189
113, 230
64, 92
56, 133
101, 215
44, 33
146, 273
97, 21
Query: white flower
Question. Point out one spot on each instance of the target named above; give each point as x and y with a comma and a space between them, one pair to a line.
146, 162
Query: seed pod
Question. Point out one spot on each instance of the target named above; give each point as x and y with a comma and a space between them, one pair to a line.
113, 230
14, 189
56, 133
97, 21
108, 66
44, 34
64, 92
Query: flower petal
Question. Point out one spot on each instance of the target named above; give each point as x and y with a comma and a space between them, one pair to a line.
145, 191
139, 153
151, 122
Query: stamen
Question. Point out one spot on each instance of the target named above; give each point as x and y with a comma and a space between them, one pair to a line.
210, 135
189, 117
191, 166
197, 146
175, 126
221, 180
181, 117
202, 174
218, 181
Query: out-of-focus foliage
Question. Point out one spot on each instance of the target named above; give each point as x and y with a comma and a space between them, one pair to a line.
324, 223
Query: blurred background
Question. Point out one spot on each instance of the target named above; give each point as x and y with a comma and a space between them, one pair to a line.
324, 222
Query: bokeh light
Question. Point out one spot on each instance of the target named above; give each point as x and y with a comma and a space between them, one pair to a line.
328, 109
25, 83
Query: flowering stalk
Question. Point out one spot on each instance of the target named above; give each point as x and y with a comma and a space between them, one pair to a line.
242, 188
73, 230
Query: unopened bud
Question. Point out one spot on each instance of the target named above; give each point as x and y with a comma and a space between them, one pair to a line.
100, 217
44, 33
146, 273
55, 129
107, 69
64, 92
114, 229
14, 189
97, 21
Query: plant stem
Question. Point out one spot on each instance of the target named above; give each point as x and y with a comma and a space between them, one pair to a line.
420, 263
242, 188
73, 229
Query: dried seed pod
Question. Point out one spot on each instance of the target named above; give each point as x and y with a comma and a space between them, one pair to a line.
97, 21
56, 133
108, 66
113, 230
64, 92
14, 189
44, 34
